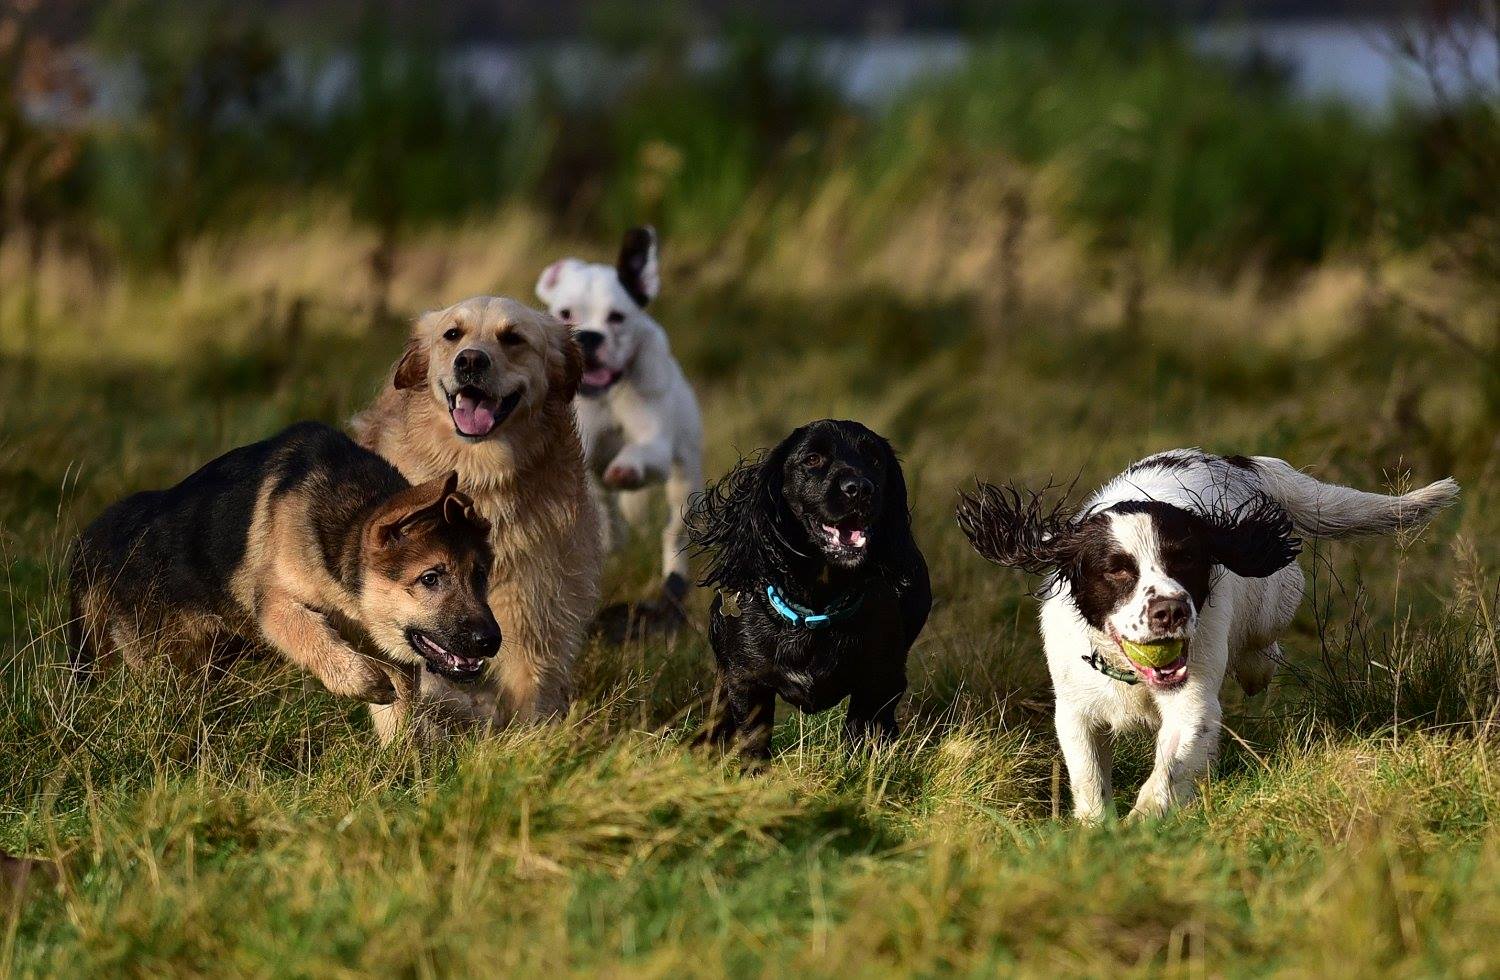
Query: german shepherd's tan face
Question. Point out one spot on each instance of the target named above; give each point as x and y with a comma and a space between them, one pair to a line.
426, 578
489, 358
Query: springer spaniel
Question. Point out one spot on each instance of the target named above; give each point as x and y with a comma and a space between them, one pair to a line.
1180, 569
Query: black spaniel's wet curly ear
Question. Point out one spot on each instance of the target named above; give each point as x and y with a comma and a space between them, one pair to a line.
1018, 528
1252, 540
895, 509
737, 523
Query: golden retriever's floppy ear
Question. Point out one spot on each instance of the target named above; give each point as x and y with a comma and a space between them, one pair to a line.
411, 370
566, 372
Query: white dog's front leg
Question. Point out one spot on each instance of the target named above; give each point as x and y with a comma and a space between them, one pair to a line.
638, 464
1087, 751
1185, 745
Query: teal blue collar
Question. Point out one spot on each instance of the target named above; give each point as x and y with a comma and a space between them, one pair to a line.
842, 608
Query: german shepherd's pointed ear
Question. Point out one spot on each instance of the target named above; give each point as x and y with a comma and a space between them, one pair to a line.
411, 370
422, 502
1016, 528
459, 511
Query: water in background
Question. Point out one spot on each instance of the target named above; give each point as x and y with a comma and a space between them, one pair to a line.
1349, 61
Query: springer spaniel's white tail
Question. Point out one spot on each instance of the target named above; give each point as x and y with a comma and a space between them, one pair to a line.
1327, 510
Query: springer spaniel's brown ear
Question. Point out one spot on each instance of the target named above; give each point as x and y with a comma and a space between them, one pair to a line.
411, 370
1016, 528
1253, 540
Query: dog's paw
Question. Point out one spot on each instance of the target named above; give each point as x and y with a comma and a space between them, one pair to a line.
624, 476
362, 682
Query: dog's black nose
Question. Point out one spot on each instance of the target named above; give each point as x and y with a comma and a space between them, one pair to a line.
590, 341
471, 362
856, 487
482, 638
1167, 615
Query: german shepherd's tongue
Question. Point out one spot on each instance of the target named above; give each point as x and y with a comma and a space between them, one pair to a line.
473, 416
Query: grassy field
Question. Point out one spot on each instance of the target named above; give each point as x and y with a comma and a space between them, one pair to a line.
252, 828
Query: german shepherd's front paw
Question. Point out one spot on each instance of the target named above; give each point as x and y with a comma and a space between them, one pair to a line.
361, 681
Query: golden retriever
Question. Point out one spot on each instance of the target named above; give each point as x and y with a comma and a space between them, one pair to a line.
485, 387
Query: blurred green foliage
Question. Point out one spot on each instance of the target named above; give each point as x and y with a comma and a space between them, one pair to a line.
1148, 145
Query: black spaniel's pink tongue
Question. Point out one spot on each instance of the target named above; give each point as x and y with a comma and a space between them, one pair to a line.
852, 537
473, 416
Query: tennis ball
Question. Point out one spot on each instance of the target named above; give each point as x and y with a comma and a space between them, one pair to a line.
1155, 655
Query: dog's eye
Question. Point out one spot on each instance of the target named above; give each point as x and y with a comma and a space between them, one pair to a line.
511, 339
431, 578
1118, 573
452, 333
812, 461
565, 313
615, 316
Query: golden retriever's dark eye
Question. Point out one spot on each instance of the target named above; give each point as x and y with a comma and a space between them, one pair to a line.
615, 316
812, 461
452, 333
431, 578
511, 339
565, 313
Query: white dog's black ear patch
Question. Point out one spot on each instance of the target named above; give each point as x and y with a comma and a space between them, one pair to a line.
637, 265
1253, 540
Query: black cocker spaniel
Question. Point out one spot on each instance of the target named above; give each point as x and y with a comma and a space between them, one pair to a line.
821, 587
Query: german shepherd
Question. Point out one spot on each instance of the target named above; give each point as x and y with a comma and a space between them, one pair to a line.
306, 543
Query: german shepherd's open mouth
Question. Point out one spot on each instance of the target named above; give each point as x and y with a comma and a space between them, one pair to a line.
476, 413
441, 661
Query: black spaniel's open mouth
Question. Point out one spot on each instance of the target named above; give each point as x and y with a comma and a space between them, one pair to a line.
597, 380
442, 662
845, 541
476, 412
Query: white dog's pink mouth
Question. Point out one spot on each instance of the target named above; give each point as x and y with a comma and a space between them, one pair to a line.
475, 414
1165, 677
598, 380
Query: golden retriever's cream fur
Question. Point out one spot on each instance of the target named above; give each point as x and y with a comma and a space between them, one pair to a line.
525, 475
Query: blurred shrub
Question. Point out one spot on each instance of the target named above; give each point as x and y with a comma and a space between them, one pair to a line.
1140, 143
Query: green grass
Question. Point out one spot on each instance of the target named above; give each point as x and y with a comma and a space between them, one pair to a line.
251, 826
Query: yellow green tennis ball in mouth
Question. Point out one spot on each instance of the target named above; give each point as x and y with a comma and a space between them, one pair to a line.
1155, 655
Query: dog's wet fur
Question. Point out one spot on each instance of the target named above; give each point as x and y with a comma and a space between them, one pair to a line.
305, 543
824, 518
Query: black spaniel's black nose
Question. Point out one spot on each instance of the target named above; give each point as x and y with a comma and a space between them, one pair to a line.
471, 363
856, 487
590, 341
1167, 615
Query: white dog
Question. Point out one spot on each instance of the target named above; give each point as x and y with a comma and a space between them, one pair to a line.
1180, 569
636, 412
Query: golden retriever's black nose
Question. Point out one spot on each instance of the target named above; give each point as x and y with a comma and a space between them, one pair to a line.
471, 363
1167, 615
856, 488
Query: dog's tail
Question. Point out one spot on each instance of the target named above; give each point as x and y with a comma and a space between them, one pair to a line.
1327, 510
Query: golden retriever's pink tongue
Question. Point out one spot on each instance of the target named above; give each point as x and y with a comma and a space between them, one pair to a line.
472, 416
597, 377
